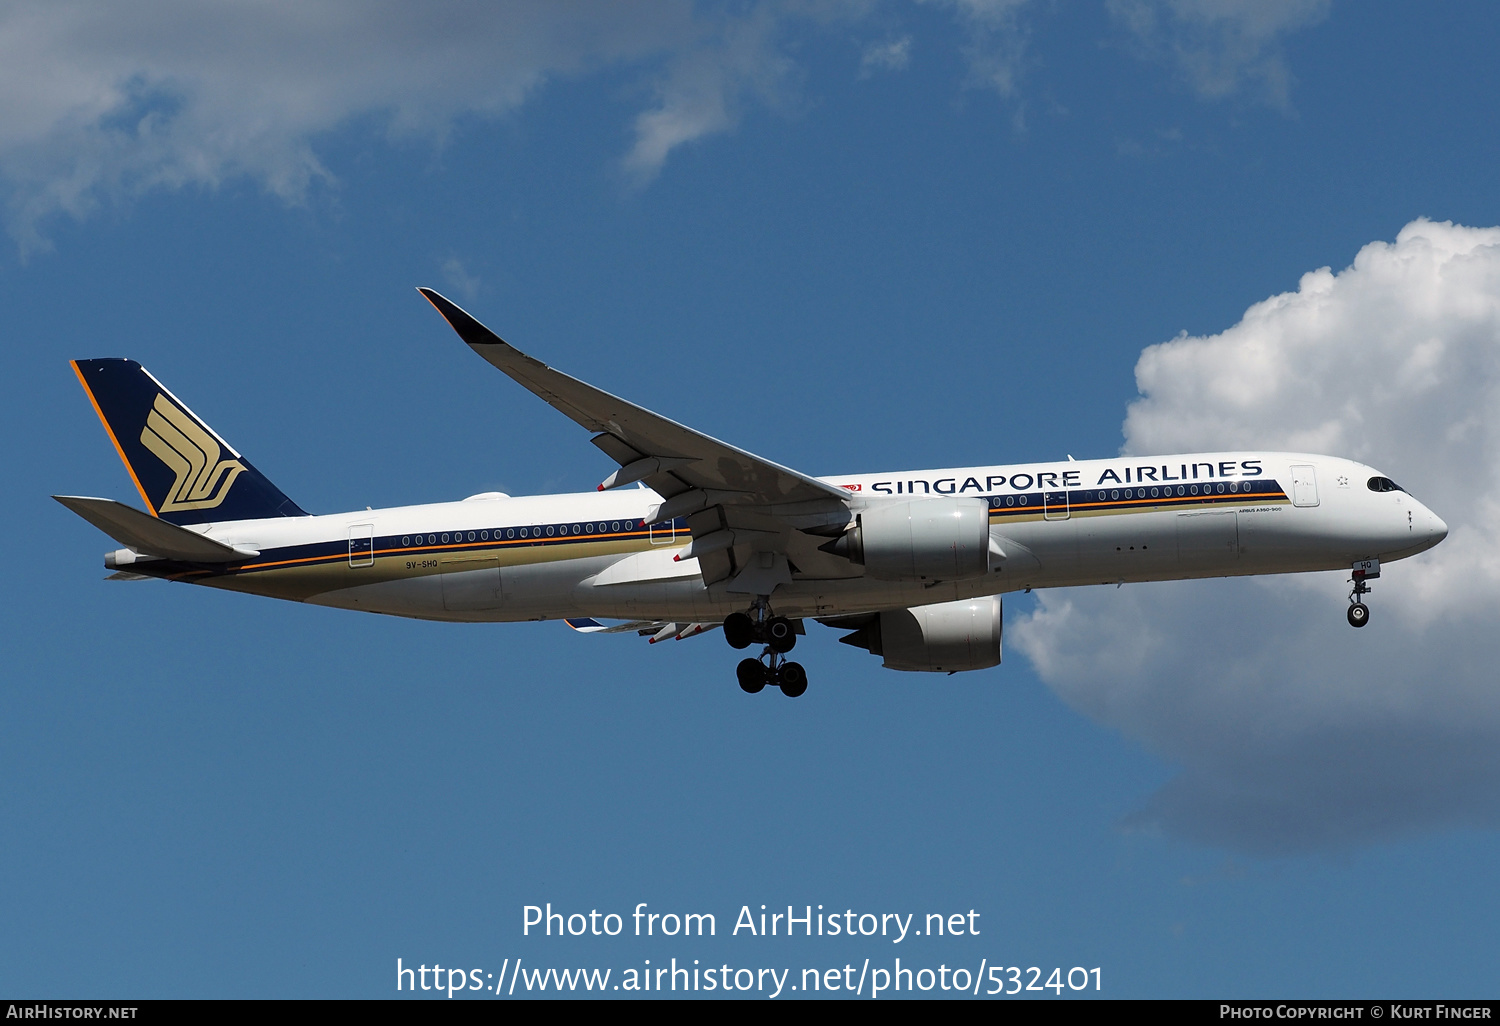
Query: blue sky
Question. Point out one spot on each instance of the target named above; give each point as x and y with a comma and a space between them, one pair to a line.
847, 237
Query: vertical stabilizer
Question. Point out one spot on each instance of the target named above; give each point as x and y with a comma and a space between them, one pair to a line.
184, 471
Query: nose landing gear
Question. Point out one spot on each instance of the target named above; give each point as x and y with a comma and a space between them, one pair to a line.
1364, 571
779, 635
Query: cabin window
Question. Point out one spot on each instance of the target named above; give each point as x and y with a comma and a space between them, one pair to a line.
1193, 489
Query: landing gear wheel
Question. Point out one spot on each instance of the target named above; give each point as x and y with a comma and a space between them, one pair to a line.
1359, 613
739, 631
793, 680
781, 635
752, 675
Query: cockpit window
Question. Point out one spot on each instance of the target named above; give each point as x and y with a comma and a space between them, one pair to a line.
1384, 484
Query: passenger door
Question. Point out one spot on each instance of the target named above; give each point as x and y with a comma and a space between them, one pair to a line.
362, 545
1055, 504
1304, 486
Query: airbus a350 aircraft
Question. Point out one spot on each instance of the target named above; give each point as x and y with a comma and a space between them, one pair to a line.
692, 533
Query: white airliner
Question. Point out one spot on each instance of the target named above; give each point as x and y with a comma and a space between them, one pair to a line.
692, 533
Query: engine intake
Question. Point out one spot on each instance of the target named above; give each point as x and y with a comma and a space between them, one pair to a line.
941, 638
921, 540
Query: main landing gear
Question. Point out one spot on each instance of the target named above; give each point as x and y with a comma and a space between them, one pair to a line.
779, 635
1364, 571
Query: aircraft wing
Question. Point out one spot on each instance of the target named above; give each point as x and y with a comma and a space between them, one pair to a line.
740, 506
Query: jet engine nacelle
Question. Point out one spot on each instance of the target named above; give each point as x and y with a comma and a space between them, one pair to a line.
941, 638
920, 540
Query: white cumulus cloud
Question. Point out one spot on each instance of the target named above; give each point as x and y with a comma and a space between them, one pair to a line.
1292, 730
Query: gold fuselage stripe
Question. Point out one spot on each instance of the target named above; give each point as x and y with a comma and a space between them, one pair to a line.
412, 549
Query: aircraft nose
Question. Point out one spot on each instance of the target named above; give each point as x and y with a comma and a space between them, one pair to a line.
1436, 529
1428, 527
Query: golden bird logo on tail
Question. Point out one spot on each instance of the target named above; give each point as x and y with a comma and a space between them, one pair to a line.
202, 478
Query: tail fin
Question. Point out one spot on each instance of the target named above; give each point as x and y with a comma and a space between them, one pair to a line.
184, 471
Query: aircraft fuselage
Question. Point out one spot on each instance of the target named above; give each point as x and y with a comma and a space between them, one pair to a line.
593, 554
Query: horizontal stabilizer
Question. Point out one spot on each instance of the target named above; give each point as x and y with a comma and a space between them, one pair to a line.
150, 535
